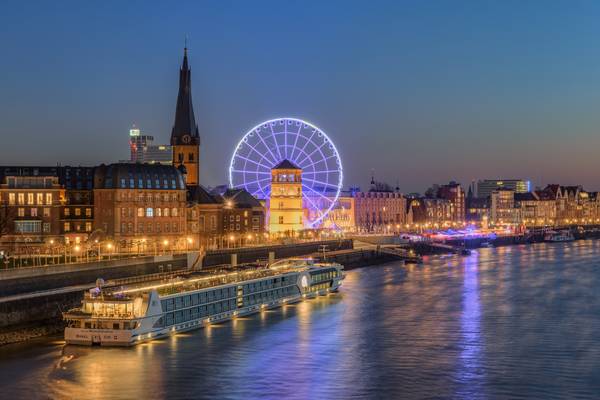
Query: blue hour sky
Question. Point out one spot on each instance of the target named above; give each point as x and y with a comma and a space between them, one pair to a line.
421, 92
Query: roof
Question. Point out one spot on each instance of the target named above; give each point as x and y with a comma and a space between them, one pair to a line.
527, 196
138, 176
286, 164
199, 195
241, 198
185, 122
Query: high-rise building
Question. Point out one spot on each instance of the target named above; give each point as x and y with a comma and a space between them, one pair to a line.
142, 149
485, 187
185, 138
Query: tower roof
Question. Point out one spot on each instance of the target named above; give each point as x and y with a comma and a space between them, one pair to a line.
185, 122
286, 164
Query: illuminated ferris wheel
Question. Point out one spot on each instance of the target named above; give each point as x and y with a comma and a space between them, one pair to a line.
300, 142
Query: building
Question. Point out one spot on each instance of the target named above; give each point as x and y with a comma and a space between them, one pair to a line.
243, 215
429, 212
343, 214
77, 214
142, 149
455, 194
185, 139
31, 200
139, 205
204, 217
502, 207
286, 214
536, 209
377, 211
485, 187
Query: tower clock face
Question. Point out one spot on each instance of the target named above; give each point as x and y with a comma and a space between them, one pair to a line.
186, 139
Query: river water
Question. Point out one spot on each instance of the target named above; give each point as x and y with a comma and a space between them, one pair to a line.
511, 322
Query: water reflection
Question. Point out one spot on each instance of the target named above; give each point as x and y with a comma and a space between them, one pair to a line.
518, 322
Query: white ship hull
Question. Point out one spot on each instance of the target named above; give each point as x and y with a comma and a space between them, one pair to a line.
146, 329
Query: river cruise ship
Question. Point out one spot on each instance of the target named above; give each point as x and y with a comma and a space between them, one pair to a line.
153, 310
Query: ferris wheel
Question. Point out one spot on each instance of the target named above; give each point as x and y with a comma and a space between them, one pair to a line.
299, 142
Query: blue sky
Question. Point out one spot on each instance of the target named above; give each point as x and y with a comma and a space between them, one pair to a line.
421, 92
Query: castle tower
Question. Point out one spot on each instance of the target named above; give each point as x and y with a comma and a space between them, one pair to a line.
285, 203
184, 136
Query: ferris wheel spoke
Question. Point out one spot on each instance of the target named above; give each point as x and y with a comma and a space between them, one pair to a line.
276, 143
329, 171
250, 172
256, 182
317, 193
267, 147
313, 152
320, 183
261, 155
285, 132
296, 142
308, 141
316, 207
266, 167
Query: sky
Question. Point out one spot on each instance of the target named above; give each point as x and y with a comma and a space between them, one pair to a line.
419, 92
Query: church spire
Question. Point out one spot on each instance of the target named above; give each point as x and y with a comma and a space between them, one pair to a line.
185, 130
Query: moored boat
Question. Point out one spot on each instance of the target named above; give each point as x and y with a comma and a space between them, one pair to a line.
153, 310
560, 236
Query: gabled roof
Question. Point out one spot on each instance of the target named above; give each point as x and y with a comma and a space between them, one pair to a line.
241, 198
527, 196
199, 195
286, 164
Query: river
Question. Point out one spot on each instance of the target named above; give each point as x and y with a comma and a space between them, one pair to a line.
509, 322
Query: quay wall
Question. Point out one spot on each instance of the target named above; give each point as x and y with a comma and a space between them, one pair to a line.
358, 258
14, 282
252, 254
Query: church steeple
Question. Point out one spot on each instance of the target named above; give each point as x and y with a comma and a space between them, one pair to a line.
185, 130
185, 138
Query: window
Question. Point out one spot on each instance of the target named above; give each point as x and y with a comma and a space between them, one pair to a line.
67, 212
88, 226
88, 212
28, 226
166, 212
213, 222
175, 228
174, 212
237, 227
158, 227
21, 197
78, 212
140, 212
123, 185
34, 212
46, 212
40, 198
21, 212
123, 227
30, 198
281, 219
46, 227
67, 226
237, 218
48, 198
159, 212
11, 199
149, 212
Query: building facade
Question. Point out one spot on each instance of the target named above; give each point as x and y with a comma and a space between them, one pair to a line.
137, 204
379, 211
286, 214
485, 187
454, 193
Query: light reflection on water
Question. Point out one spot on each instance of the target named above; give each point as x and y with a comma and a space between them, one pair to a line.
512, 322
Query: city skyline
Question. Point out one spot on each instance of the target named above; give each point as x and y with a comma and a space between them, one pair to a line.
392, 102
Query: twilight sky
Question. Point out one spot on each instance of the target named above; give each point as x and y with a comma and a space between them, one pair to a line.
421, 92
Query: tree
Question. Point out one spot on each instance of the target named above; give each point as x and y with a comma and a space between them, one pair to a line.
6, 219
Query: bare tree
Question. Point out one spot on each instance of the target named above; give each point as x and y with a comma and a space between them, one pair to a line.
7, 215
